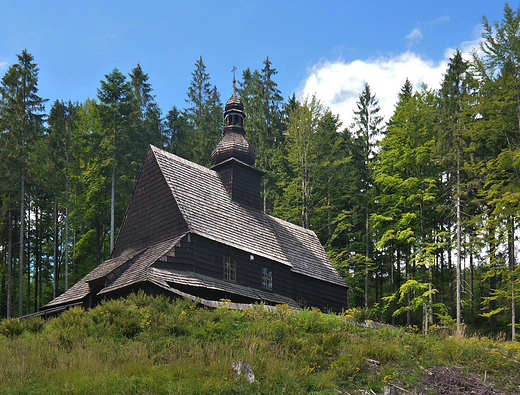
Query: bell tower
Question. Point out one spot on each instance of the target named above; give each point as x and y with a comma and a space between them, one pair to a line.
233, 158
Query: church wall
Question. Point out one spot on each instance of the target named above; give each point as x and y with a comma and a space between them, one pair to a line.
242, 183
319, 293
205, 256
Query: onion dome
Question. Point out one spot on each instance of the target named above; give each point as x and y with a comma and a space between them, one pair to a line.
233, 143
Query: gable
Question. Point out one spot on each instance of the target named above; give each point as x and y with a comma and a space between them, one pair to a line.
153, 214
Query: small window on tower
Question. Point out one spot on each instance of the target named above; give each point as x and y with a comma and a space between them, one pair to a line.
267, 279
230, 269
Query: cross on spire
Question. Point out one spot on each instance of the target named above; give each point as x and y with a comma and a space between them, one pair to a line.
233, 71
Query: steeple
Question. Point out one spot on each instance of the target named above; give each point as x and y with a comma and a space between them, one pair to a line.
233, 143
234, 159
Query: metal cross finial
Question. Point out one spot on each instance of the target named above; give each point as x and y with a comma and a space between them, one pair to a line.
234, 69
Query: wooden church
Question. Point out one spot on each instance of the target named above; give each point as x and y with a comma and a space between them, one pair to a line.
200, 233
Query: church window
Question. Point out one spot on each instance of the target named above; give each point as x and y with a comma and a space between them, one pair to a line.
230, 269
267, 279
302, 302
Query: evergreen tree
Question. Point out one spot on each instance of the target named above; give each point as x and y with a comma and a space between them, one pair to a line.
367, 129
21, 118
454, 94
498, 130
115, 96
408, 177
176, 133
204, 116
264, 124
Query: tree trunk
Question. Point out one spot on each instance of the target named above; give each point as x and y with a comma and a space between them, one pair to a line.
9, 262
67, 212
450, 283
471, 284
55, 292
28, 307
408, 296
459, 251
492, 281
112, 206
37, 264
22, 233
367, 252
511, 248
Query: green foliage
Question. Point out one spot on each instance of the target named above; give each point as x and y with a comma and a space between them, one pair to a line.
11, 327
360, 315
186, 349
34, 324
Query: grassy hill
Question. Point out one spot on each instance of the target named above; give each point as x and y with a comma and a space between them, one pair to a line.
145, 345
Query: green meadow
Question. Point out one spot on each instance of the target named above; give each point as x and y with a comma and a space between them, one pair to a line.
149, 345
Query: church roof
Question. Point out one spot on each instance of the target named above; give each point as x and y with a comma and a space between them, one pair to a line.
210, 212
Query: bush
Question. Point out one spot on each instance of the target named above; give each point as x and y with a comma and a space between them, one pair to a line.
71, 322
11, 327
34, 324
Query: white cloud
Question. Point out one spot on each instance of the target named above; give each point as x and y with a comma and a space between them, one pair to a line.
3, 66
338, 84
415, 35
439, 20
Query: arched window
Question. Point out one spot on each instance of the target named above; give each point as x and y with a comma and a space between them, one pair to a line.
267, 279
230, 269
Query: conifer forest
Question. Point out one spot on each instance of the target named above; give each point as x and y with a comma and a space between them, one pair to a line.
419, 213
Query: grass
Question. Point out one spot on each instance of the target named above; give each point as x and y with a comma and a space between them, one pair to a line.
145, 345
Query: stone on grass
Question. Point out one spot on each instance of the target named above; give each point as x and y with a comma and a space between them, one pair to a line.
245, 369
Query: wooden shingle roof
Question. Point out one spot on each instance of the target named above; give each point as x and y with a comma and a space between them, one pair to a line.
210, 212
168, 278
81, 289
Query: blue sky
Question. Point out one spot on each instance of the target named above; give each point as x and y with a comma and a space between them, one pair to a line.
327, 48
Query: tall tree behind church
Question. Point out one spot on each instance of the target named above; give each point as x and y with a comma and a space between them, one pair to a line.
204, 116
264, 123
116, 99
366, 129
21, 118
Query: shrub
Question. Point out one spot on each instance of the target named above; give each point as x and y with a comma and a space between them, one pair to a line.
361, 314
34, 324
11, 327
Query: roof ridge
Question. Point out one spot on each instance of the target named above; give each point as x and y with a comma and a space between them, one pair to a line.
179, 159
295, 226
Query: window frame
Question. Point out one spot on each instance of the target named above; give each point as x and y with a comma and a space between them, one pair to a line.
230, 269
267, 279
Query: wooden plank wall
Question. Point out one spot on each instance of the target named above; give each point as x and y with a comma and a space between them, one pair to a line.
204, 256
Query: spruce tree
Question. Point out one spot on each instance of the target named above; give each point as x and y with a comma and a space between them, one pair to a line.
21, 118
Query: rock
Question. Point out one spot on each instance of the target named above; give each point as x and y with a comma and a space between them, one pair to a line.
245, 369
389, 390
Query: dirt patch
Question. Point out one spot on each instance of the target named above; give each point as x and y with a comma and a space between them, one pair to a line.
449, 381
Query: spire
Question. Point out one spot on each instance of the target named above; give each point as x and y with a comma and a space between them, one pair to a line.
233, 143
234, 80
